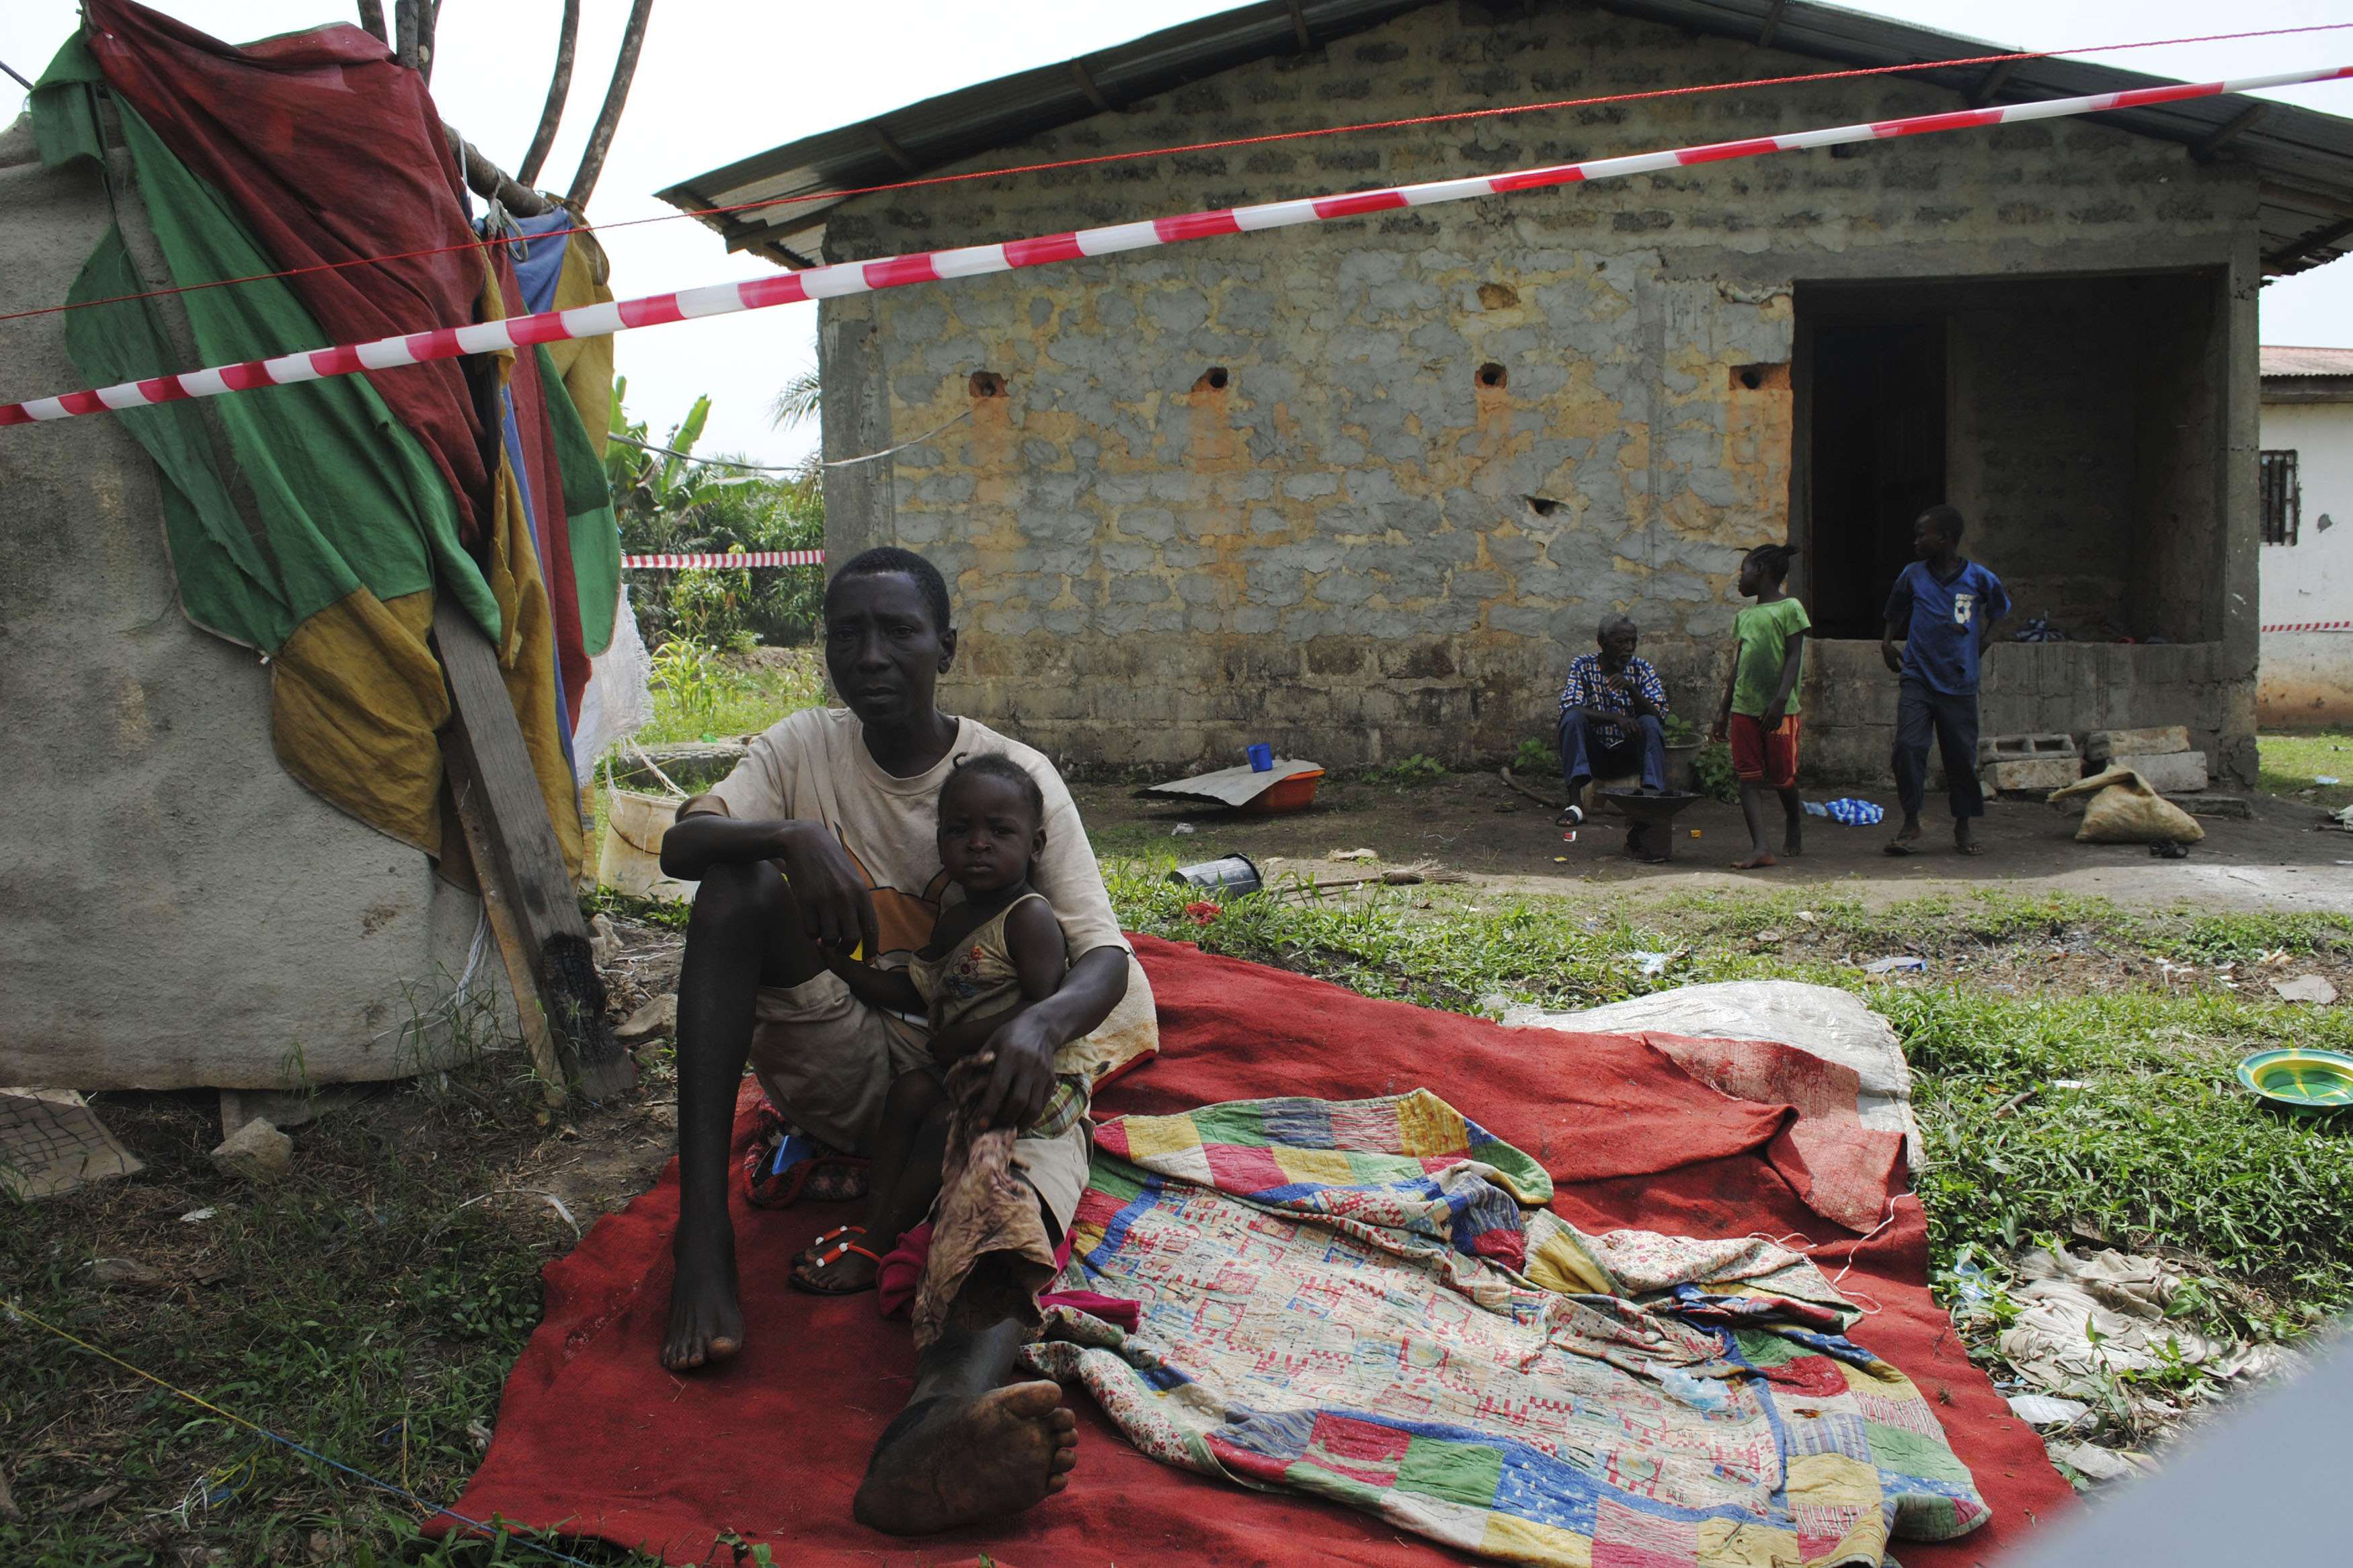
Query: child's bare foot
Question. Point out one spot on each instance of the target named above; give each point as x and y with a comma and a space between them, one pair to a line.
1793, 839
845, 1267
1906, 837
967, 1460
706, 1325
1756, 862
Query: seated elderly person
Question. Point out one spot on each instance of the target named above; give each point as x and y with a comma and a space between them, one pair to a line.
1613, 713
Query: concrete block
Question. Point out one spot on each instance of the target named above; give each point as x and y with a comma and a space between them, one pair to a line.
2167, 773
2163, 740
2025, 748
2041, 775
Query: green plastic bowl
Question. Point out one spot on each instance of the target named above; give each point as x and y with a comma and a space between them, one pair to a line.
2300, 1079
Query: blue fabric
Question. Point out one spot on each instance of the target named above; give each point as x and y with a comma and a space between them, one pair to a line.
1854, 813
1941, 622
1588, 687
1583, 756
538, 257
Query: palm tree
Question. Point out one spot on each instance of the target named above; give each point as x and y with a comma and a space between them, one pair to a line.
800, 401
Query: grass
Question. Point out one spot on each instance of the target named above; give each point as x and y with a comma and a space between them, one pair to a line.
356, 1306
2290, 763
703, 695
359, 1307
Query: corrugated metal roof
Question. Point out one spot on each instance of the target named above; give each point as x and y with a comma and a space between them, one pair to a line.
2306, 158
2280, 358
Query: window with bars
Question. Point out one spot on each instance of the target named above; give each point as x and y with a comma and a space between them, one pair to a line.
2283, 498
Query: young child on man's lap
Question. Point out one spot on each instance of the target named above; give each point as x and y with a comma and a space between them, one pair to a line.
992, 954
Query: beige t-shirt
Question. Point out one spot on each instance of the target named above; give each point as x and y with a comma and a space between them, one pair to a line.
813, 766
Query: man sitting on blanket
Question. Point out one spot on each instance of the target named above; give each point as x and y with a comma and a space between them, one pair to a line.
823, 841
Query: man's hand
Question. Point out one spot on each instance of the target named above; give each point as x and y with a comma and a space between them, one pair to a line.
1023, 1075
837, 908
1895, 660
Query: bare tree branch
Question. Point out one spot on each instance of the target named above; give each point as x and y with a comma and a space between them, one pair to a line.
428, 21
558, 88
372, 19
487, 180
608, 117
404, 32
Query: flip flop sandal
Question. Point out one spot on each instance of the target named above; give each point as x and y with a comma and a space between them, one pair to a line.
826, 1260
817, 1244
1892, 847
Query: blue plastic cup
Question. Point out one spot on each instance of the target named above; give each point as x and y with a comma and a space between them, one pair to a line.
1262, 759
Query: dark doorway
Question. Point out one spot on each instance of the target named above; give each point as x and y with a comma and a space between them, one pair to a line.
1877, 461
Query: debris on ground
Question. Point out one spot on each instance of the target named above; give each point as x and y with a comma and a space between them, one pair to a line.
8, 1510
2086, 1322
256, 1152
1898, 965
127, 1274
1352, 855
604, 940
2305, 988
51, 1142
658, 1017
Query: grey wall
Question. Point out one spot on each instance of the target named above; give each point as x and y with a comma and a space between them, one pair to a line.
1336, 553
174, 909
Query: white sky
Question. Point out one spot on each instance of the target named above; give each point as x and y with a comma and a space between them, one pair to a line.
720, 79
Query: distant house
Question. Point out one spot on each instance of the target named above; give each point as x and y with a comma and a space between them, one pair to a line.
1361, 489
2304, 486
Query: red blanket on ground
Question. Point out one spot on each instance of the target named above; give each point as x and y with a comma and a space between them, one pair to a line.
594, 1438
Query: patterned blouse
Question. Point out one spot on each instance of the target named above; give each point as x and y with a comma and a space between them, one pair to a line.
1587, 688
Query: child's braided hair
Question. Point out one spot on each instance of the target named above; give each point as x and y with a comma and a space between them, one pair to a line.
1774, 559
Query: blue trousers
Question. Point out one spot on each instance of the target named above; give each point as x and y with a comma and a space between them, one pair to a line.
1921, 715
1582, 758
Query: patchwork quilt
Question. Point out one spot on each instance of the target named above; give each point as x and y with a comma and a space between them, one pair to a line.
1364, 1302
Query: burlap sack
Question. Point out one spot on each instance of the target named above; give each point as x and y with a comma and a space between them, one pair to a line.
2123, 809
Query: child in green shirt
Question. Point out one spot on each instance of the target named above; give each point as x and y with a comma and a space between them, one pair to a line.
1759, 716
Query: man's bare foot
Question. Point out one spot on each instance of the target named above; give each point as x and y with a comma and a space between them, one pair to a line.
1756, 862
966, 1459
706, 1325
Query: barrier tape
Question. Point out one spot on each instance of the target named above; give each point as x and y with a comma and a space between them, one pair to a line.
939, 265
2312, 627
707, 563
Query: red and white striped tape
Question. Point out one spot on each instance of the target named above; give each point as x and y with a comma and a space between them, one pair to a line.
936, 265
706, 563
2312, 627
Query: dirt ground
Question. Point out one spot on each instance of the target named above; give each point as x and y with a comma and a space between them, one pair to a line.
1475, 823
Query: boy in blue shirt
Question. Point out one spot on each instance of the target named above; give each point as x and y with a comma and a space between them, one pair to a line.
1943, 610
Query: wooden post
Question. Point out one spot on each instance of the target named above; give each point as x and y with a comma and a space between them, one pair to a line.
519, 866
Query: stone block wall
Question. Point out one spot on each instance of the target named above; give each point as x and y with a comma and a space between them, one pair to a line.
1361, 489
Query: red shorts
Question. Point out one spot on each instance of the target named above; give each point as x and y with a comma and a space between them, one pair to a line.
1765, 756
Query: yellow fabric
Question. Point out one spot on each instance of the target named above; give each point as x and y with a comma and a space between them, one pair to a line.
527, 649
356, 697
585, 363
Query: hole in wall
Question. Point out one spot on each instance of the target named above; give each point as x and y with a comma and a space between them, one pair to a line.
1497, 295
1543, 506
1757, 377
986, 383
1213, 379
1494, 377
